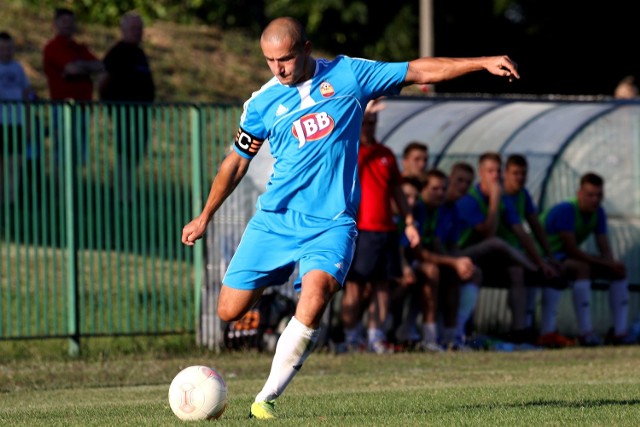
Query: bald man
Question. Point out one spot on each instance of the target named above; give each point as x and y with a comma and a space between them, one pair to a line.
127, 75
311, 112
127, 80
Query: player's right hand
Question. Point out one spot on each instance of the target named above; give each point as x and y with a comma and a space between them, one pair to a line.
194, 230
495, 191
464, 267
502, 66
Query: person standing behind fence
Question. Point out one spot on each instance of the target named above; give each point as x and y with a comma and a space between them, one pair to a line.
568, 224
128, 81
14, 86
69, 67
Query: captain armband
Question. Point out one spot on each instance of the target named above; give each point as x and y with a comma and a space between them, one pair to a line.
246, 144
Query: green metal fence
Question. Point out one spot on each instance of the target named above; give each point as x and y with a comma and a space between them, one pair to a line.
93, 200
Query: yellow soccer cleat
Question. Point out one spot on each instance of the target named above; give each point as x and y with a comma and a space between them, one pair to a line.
265, 410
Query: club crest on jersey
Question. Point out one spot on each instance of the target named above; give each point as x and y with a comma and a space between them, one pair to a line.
312, 127
326, 90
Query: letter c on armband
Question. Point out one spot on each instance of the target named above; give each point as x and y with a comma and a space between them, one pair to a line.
247, 143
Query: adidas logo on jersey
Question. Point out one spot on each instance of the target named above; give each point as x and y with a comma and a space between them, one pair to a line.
281, 110
312, 127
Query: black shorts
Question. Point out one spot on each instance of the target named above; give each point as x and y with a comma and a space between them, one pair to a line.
377, 256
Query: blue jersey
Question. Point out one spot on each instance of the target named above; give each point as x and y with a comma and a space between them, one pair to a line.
314, 130
473, 213
523, 205
473, 208
522, 202
565, 217
441, 223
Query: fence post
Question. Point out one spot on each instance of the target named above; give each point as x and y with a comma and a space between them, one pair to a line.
196, 204
71, 206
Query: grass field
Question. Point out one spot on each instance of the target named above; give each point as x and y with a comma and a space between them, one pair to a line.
112, 387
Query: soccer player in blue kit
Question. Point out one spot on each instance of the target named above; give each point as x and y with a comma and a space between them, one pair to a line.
310, 112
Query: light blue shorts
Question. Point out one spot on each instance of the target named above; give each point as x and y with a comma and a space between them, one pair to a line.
274, 242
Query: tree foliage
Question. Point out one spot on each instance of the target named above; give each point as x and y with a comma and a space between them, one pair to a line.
551, 41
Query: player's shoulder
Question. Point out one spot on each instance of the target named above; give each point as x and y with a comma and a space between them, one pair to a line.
341, 61
383, 149
341, 64
50, 45
266, 95
562, 209
526, 193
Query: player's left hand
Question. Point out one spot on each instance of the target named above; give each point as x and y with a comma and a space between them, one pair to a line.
194, 230
413, 235
465, 268
502, 66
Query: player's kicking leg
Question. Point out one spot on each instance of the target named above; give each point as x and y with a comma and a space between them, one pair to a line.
297, 340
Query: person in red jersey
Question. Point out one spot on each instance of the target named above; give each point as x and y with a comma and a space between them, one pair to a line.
69, 67
377, 255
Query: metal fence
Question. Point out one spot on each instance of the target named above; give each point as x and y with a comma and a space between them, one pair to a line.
93, 198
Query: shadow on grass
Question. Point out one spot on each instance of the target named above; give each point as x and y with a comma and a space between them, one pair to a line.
558, 404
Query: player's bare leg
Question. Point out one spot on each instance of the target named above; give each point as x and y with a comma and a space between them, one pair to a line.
429, 304
234, 303
354, 297
297, 340
378, 309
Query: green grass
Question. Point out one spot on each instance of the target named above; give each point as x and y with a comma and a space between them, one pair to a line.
567, 387
118, 292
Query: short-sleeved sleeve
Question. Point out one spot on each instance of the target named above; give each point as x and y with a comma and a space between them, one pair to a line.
251, 133
379, 78
561, 219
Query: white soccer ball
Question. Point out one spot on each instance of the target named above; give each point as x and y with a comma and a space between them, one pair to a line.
198, 393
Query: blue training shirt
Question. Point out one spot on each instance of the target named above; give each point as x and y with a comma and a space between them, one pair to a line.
528, 207
562, 218
446, 226
472, 214
313, 130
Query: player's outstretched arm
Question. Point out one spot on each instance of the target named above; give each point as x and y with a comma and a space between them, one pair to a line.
232, 170
435, 70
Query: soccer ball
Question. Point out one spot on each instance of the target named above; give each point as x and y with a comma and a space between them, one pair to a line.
198, 393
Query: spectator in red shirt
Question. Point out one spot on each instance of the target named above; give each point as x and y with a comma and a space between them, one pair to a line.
68, 64
69, 67
377, 255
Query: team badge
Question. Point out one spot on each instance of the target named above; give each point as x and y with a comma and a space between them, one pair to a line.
326, 89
